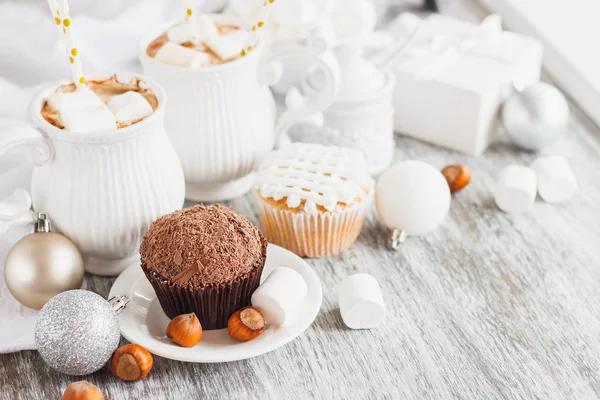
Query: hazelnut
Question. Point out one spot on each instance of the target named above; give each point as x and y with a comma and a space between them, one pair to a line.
457, 176
246, 324
82, 390
185, 330
131, 362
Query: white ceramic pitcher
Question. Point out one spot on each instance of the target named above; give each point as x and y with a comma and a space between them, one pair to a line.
221, 119
103, 189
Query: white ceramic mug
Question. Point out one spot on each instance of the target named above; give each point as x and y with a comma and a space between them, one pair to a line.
221, 119
103, 189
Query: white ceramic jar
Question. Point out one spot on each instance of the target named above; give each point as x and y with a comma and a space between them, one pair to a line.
221, 119
362, 116
101, 189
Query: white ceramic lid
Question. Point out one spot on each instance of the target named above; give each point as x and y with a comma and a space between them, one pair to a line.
358, 77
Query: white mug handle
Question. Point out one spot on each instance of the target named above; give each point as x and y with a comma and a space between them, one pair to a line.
15, 210
17, 134
301, 109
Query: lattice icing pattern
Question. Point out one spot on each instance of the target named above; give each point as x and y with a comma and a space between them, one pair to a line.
314, 174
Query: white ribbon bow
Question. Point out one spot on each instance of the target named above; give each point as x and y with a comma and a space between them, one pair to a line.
15, 210
489, 28
444, 49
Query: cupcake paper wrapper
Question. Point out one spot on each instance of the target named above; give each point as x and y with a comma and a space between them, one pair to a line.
213, 305
322, 234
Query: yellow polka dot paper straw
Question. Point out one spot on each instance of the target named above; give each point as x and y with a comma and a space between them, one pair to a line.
56, 14
190, 18
258, 27
62, 18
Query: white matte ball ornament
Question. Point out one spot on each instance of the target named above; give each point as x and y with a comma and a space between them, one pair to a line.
536, 116
412, 197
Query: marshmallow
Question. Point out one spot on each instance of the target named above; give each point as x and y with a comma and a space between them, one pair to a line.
279, 295
125, 78
205, 27
77, 100
90, 119
129, 106
516, 189
556, 181
179, 33
144, 85
174, 54
361, 303
228, 45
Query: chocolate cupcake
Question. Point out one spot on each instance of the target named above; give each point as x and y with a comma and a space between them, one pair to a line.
206, 260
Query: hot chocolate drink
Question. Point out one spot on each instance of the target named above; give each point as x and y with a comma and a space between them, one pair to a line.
104, 104
211, 44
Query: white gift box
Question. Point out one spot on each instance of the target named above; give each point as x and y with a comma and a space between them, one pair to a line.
453, 78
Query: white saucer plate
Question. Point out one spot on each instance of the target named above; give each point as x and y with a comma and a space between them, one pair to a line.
143, 321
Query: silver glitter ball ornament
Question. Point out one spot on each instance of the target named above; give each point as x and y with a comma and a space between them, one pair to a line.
77, 332
536, 116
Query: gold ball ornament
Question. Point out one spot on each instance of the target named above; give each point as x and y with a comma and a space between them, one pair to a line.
42, 265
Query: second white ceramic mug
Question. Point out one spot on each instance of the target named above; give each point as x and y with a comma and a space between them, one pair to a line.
221, 119
101, 189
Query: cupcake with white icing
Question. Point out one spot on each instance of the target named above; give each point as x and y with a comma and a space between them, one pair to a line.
313, 199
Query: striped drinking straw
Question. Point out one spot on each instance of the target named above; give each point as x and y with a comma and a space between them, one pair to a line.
62, 17
257, 27
190, 19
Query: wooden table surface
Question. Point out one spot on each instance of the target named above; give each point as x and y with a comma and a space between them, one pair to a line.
488, 306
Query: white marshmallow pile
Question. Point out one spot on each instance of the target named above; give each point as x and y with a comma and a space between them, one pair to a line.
278, 297
516, 189
225, 46
517, 186
174, 54
83, 111
205, 27
361, 302
556, 180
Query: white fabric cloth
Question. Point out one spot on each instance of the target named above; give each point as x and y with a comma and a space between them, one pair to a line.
32, 52
17, 321
107, 33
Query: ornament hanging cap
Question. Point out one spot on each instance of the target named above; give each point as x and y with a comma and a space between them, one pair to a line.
118, 303
42, 223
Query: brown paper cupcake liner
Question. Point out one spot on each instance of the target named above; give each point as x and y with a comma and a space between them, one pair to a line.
213, 305
317, 235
